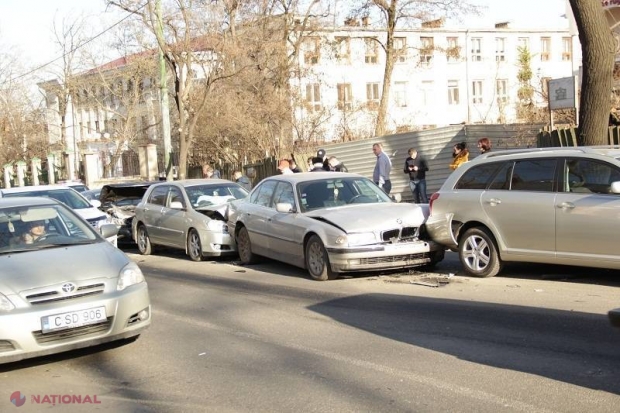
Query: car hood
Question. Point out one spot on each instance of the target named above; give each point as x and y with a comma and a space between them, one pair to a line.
34, 269
217, 212
372, 217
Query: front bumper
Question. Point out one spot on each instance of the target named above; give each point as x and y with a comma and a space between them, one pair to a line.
382, 257
217, 244
20, 330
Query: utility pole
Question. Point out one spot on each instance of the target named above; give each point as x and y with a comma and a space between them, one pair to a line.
163, 97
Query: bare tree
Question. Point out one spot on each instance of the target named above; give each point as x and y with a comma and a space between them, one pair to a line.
598, 51
392, 14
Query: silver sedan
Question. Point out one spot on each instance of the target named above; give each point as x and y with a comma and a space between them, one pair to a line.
186, 214
330, 223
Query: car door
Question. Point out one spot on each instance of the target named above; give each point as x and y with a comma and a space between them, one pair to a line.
256, 214
173, 224
287, 228
152, 212
520, 205
587, 213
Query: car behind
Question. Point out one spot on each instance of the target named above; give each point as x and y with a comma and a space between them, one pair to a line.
68, 289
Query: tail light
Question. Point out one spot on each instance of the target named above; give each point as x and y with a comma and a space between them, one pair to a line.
434, 197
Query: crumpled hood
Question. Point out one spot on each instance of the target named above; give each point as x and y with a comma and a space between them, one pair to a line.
214, 211
366, 218
34, 269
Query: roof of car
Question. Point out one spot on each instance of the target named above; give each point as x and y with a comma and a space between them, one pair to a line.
130, 184
25, 201
312, 176
32, 188
191, 182
612, 151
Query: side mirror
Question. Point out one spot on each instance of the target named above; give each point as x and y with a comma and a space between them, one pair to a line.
176, 205
108, 230
615, 187
284, 207
97, 204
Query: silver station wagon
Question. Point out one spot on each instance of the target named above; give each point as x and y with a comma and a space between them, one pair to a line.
330, 223
62, 286
552, 205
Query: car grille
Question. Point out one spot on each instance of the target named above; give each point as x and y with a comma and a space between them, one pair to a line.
72, 333
6, 345
394, 258
55, 295
398, 233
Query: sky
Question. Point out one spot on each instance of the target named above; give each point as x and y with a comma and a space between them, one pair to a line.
27, 24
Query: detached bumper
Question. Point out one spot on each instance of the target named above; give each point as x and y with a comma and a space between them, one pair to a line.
382, 257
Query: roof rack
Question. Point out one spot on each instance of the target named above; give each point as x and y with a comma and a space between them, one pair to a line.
506, 152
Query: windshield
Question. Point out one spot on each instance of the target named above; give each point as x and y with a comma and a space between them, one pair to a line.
326, 193
206, 195
28, 228
67, 196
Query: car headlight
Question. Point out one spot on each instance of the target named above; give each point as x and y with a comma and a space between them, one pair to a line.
361, 238
130, 275
5, 303
215, 225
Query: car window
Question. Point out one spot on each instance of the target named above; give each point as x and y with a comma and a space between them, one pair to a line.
68, 197
588, 176
214, 194
176, 196
158, 196
533, 175
284, 194
478, 177
502, 177
328, 193
262, 195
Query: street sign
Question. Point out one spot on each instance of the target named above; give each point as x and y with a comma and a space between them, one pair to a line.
562, 93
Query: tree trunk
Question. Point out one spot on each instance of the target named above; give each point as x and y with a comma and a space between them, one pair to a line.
389, 68
598, 53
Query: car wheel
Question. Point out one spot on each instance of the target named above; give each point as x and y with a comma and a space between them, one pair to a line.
317, 261
194, 246
244, 247
478, 253
436, 257
143, 241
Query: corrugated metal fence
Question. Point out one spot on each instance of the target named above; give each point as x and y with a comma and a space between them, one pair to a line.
434, 145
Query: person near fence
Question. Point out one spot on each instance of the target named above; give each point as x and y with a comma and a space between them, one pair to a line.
210, 173
335, 165
321, 153
284, 167
383, 167
460, 155
293, 165
484, 145
316, 165
242, 180
416, 167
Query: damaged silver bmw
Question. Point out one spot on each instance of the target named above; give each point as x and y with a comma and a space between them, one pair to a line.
330, 223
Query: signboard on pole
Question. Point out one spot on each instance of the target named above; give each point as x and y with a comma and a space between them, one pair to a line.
562, 93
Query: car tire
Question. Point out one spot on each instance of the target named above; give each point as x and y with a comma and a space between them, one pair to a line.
478, 253
244, 247
143, 241
436, 257
194, 246
317, 260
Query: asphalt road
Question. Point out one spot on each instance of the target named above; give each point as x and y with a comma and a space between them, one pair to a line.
265, 338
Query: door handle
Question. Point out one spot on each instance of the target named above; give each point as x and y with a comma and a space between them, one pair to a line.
494, 201
566, 205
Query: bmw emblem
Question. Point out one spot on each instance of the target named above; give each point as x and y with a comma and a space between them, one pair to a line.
399, 221
68, 288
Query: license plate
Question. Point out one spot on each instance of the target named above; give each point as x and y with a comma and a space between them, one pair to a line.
413, 248
72, 319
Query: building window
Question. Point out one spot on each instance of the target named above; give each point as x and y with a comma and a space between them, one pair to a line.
545, 49
476, 92
343, 49
453, 51
500, 49
400, 94
311, 48
501, 86
453, 92
345, 96
400, 49
476, 49
372, 95
371, 47
567, 49
313, 97
427, 46
523, 43
428, 93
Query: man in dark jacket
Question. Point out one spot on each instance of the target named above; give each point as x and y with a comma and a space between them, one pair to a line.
416, 167
242, 180
336, 165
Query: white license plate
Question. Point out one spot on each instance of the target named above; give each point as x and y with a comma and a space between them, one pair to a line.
72, 319
416, 248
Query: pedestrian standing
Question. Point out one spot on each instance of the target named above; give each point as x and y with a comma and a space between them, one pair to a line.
335, 165
416, 167
460, 155
484, 145
242, 180
383, 167
284, 167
